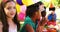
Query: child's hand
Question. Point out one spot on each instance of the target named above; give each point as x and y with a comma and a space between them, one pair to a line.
40, 29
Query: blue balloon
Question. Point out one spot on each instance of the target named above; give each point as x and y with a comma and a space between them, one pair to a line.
19, 2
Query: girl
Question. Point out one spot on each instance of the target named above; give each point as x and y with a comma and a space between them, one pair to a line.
32, 14
8, 17
42, 19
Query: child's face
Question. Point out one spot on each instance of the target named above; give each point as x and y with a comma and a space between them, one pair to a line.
53, 12
10, 9
37, 14
41, 7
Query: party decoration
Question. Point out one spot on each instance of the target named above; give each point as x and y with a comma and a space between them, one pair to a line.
51, 5
21, 16
18, 8
51, 8
19, 2
23, 8
27, 2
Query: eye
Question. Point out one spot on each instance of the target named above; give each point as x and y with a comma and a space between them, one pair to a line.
9, 8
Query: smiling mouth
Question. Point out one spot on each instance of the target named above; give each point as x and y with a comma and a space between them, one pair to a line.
12, 14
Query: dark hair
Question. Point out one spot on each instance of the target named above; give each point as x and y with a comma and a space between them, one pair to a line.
39, 3
31, 7
4, 18
53, 9
31, 10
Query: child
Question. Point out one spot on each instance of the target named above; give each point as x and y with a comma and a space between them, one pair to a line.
8, 17
32, 14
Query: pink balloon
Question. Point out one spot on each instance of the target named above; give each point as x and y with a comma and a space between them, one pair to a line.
23, 8
21, 16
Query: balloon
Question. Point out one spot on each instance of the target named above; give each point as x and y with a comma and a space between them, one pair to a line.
21, 16
18, 8
27, 2
23, 8
19, 2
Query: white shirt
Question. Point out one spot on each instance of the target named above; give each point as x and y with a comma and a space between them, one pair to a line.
11, 28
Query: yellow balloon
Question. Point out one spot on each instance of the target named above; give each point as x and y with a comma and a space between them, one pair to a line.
27, 2
18, 8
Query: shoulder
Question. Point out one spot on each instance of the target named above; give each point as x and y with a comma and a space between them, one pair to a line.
28, 19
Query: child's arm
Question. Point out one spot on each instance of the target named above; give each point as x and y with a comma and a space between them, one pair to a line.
29, 28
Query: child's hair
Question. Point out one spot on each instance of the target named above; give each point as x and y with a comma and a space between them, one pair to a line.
31, 10
52, 9
39, 3
3, 17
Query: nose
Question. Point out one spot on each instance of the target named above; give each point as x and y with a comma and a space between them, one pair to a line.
13, 10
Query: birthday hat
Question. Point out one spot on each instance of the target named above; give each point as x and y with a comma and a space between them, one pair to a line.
51, 8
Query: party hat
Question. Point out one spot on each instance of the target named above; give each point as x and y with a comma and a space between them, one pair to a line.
51, 7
